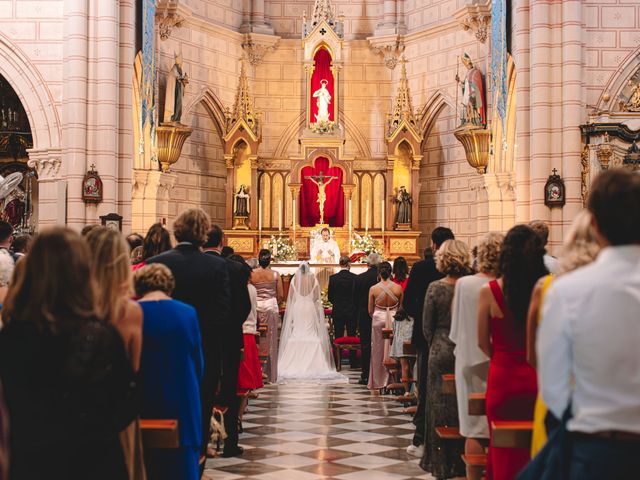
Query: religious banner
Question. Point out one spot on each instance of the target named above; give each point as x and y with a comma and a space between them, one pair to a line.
321, 189
322, 108
148, 87
499, 58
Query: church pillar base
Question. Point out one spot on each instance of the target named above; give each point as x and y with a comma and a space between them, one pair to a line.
150, 198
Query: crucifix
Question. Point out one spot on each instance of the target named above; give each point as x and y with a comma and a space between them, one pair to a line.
320, 182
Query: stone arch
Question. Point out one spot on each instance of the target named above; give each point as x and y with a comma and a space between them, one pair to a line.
618, 80
34, 94
213, 105
431, 110
314, 155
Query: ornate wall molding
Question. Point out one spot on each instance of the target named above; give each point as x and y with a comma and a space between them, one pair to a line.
46, 163
475, 18
256, 46
170, 14
390, 47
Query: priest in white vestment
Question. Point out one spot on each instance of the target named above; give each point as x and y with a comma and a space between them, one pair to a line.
325, 249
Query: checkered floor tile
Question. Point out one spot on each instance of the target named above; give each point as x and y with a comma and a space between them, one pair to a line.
311, 431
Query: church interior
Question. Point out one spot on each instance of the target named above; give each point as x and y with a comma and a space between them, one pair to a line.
378, 120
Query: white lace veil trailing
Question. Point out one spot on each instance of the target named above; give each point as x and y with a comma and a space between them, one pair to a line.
304, 287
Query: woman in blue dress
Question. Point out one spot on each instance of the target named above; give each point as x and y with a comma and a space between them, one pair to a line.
171, 371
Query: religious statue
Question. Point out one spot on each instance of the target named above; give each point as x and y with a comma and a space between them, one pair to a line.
242, 202
324, 99
403, 213
177, 80
325, 249
319, 180
473, 95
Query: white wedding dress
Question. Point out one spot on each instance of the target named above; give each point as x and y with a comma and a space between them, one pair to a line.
305, 348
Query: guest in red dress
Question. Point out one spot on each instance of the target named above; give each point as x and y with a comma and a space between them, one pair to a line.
502, 312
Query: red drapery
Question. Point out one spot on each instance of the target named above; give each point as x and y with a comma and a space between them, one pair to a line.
322, 71
333, 206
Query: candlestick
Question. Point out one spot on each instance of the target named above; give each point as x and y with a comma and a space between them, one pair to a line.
279, 215
366, 218
259, 220
294, 218
382, 208
350, 224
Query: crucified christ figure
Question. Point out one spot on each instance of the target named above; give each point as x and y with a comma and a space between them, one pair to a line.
320, 182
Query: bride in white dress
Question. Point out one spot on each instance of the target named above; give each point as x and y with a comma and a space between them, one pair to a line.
305, 348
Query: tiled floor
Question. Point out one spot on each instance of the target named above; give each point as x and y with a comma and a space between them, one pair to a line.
308, 431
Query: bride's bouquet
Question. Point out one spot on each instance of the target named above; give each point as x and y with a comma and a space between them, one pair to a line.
281, 248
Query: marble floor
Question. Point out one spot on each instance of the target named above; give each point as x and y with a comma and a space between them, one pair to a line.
310, 431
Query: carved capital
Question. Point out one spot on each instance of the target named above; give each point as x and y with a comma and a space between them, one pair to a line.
46, 163
152, 184
476, 19
295, 190
170, 14
390, 47
256, 46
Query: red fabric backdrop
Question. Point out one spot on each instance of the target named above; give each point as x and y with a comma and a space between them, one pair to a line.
334, 205
322, 70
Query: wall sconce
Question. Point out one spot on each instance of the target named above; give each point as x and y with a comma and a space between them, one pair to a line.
476, 142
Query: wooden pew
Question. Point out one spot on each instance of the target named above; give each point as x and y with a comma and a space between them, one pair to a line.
477, 403
449, 384
387, 333
409, 348
449, 433
476, 465
511, 434
160, 433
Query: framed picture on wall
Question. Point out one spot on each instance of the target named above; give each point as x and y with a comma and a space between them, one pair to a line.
554, 195
112, 221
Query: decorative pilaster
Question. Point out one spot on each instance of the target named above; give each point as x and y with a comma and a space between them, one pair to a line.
52, 199
151, 194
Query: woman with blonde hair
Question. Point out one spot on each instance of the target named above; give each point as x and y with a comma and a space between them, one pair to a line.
442, 458
111, 270
579, 249
471, 364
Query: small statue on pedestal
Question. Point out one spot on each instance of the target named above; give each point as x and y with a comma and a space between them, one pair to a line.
473, 96
177, 80
403, 212
241, 212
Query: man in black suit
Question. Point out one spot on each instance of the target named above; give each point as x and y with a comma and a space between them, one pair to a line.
340, 293
233, 340
364, 282
422, 274
202, 281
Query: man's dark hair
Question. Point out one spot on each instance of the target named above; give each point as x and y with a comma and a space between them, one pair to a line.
441, 235
214, 237
86, 229
325, 229
541, 229
21, 243
614, 202
227, 252
134, 240
6, 230
246, 269
428, 253
344, 261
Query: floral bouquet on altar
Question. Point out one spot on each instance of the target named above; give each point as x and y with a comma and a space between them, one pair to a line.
363, 245
281, 248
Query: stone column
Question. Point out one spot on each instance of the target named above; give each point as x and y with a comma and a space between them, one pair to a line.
295, 195
415, 192
389, 223
150, 197
74, 105
51, 187
389, 14
500, 205
253, 201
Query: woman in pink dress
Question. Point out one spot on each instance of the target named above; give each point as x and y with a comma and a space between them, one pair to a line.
502, 313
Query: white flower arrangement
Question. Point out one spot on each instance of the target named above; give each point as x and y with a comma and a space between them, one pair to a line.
281, 248
323, 127
365, 244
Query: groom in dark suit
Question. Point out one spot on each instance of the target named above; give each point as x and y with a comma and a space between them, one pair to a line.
202, 281
340, 293
364, 282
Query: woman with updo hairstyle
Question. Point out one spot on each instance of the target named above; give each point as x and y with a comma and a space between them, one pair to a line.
384, 298
68, 383
269, 293
471, 363
502, 314
171, 370
580, 248
442, 458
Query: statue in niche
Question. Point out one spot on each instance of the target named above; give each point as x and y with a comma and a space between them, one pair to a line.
242, 202
324, 99
403, 212
177, 80
473, 95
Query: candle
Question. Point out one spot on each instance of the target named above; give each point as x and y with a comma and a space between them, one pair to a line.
294, 217
280, 215
350, 224
259, 217
382, 207
366, 218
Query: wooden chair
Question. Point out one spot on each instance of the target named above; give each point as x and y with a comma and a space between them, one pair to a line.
160, 433
477, 403
511, 433
449, 384
476, 465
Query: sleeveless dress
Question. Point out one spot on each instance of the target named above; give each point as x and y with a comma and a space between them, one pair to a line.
442, 458
539, 435
402, 330
511, 387
382, 318
268, 314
